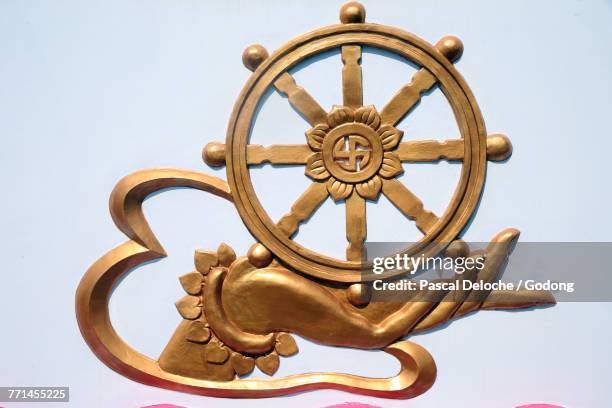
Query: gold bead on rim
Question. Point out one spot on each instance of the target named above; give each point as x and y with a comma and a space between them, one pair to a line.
359, 294
451, 47
499, 147
259, 256
352, 12
253, 56
214, 154
457, 249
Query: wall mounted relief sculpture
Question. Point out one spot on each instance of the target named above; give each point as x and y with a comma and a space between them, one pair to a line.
242, 311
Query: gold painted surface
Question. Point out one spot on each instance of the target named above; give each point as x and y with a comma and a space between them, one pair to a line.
323, 165
355, 226
186, 364
242, 312
278, 154
300, 99
351, 76
409, 205
303, 208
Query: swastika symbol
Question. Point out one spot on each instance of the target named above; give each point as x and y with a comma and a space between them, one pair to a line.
352, 153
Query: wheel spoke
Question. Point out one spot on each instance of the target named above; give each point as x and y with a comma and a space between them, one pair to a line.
355, 226
407, 97
352, 90
431, 150
301, 100
303, 208
409, 204
278, 154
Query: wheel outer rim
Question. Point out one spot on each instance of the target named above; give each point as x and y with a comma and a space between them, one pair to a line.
467, 114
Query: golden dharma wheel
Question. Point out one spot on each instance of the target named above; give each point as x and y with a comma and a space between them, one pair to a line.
354, 152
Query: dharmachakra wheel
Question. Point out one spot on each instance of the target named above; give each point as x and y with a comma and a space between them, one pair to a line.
355, 152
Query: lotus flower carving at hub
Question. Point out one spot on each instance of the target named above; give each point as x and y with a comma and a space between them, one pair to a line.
352, 151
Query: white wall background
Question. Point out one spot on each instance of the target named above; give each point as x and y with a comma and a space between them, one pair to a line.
91, 91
